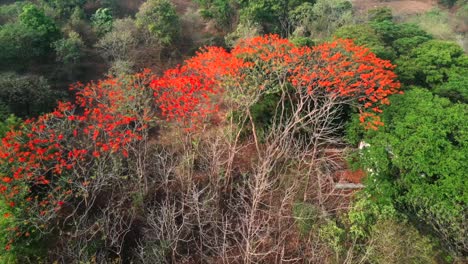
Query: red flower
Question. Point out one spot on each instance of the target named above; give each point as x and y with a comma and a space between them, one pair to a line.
6, 179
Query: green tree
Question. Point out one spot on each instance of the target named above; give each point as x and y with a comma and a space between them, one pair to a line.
63, 8
431, 63
7, 123
26, 95
365, 35
30, 37
397, 242
418, 162
120, 42
158, 18
221, 11
69, 50
272, 15
455, 88
380, 14
6, 256
322, 18
102, 21
243, 31
35, 19
9, 12
17, 44
390, 31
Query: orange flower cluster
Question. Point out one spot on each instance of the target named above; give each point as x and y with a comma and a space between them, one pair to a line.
35, 161
187, 93
339, 68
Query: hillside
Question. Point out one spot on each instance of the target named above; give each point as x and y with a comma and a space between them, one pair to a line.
233, 131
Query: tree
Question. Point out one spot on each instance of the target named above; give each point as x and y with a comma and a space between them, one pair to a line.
69, 50
63, 8
272, 15
102, 21
159, 19
322, 18
390, 31
17, 45
365, 35
46, 162
120, 42
87, 161
431, 63
29, 37
242, 31
8, 123
9, 12
382, 14
36, 20
26, 96
418, 162
454, 88
221, 11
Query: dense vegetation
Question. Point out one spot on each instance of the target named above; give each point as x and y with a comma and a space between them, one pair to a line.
300, 131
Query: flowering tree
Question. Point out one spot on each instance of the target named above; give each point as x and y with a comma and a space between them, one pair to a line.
63, 155
84, 163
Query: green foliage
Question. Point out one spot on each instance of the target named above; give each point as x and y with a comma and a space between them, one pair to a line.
160, 20
455, 88
303, 42
35, 19
63, 8
263, 111
390, 31
6, 124
380, 14
26, 95
368, 209
306, 217
403, 46
221, 11
333, 235
365, 35
417, 161
6, 257
69, 50
272, 15
120, 41
17, 45
28, 38
438, 23
400, 243
322, 18
375, 233
26, 249
102, 21
432, 63
77, 23
243, 30
9, 13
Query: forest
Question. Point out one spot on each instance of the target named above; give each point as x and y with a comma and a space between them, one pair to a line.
233, 131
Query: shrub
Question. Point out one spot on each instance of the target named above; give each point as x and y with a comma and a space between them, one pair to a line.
306, 217
159, 19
